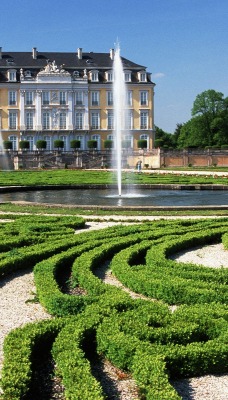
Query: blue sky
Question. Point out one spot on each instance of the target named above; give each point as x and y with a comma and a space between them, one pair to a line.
184, 43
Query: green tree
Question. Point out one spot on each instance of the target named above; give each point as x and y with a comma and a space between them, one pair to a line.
162, 138
193, 134
209, 104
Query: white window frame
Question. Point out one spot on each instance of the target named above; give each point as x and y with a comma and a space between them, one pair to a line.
98, 139
46, 119
64, 139
12, 98
144, 98
79, 120
62, 98
109, 98
49, 142
144, 119
62, 120
109, 76
79, 98
110, 119
142, 76
45, 98
29, 116
127, 76
12, 75
14, 141
129, 119
30, 139
95, 98
129, 97
13, 120
29, 98
95, 120
94, 76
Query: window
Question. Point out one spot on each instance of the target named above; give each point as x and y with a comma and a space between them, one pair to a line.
12, 98
62, 98
144, 98
129, 98
110, 119
13, 139
127, 141
12, 120
12, 75
29, 120
128, 119
28, 98
97, 138
79, 120
127, 76
142, 76
109, 76
94, 76
62, 120
48, 140
46, 120
95, 120
31, 142
144, 120
82, 141
95, 98
144, 137
109, 98
46, 98
79, 98
64, 139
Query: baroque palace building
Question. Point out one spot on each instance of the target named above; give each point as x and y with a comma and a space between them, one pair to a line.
67, 96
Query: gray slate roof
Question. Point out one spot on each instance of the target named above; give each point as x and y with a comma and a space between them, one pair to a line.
69, 60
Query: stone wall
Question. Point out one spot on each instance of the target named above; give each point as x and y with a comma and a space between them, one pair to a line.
153, 159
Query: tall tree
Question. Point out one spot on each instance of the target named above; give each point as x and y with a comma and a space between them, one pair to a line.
208, 104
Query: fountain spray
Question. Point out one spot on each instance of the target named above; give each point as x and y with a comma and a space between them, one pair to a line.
119, 104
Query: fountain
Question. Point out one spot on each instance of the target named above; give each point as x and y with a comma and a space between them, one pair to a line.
119, 103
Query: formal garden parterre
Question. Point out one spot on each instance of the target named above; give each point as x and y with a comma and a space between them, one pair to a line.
144, 338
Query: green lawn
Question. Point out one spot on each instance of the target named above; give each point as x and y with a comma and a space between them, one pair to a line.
78, 177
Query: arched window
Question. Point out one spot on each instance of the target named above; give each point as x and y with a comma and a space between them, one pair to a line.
14, 141
97, 138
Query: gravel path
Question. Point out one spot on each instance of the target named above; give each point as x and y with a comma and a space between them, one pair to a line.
16, 311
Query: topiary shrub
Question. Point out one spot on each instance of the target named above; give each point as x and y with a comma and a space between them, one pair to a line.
41, 144
58, 144
92, 144
142, 144
24, 144
7, 145
75, 144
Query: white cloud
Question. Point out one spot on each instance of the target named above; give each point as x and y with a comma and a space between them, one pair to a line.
158, 75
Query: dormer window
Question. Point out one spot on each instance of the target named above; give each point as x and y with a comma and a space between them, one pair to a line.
142, 76
94, 76
127, 76
109, 76
12, 75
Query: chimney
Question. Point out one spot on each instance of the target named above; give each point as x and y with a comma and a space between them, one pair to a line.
112, 54
34, 53
0, 53
79, 53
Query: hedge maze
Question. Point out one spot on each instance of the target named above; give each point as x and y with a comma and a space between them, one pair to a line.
145, 338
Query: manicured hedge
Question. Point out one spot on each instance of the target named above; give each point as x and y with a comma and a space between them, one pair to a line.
144, 337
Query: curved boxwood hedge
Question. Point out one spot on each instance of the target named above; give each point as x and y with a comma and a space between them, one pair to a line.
190, 341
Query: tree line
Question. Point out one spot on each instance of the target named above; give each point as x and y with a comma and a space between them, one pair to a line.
208, 126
